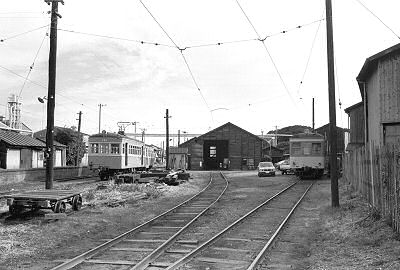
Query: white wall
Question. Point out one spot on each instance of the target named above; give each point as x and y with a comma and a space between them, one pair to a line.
13, 159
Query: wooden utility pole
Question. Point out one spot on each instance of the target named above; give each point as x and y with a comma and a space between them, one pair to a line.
179, 137
79, 138
100, 106
332, 106
167, 139
51, 94
313, 119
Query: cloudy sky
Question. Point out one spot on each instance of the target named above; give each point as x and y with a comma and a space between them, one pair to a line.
101, 60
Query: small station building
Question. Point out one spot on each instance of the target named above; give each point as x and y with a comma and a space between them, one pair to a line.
226, 147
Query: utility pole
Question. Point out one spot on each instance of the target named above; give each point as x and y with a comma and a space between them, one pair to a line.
51, 94
179, 137
143, 130
167, 139
276, 135
100, 105
313, 120
332, 106
79, 138
135, 123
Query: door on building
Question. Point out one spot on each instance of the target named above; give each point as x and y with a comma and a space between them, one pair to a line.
391, 133
214, 152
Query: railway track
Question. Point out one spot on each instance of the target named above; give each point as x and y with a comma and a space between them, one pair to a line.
141, 246
242, 244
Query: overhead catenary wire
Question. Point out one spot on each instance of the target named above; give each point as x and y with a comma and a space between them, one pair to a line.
23, 33
269, 54
309, 57
116, 38
376, 16
33, 63
183, 56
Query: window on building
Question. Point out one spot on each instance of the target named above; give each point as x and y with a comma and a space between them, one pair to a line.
94, 148
114, 148
213, 151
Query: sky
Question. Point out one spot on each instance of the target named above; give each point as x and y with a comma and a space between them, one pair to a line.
180, 66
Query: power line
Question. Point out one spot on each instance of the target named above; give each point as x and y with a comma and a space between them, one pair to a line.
116, 38
183, 56
33, 64
23, 33
370, 11
269, 54
309, 56
162, 28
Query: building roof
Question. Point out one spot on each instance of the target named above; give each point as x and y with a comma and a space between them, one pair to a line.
352, 107
55, 143
371, 63
16, 139
215, 129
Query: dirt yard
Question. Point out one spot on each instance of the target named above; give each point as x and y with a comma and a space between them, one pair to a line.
350, 237
317, 236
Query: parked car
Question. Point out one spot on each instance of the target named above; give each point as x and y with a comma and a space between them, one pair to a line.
285, 167
266, 168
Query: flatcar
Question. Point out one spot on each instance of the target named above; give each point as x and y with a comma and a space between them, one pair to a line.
307, 155
113, 153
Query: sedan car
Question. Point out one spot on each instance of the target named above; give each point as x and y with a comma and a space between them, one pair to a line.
265, 169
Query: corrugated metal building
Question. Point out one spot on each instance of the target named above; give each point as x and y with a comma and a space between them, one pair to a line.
227, 146
379, 83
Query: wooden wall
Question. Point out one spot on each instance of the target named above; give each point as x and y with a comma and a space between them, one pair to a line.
357, 125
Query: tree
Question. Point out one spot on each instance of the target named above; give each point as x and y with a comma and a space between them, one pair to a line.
74, 143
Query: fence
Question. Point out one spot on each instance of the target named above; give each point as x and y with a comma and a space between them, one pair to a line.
374, 171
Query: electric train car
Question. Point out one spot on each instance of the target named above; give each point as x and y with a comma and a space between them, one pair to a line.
112, 153
307, 155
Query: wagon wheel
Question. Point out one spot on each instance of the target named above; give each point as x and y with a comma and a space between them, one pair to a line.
59, 207
77, 202
15, 209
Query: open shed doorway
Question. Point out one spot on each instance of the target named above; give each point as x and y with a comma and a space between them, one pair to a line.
214, 153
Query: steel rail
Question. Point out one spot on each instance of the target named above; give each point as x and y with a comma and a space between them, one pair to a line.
260, 255
191, 254
90, 253
154, 254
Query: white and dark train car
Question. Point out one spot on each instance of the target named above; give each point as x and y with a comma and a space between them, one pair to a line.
307, 155
112, 153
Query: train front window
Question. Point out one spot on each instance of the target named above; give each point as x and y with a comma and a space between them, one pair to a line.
296, 148
114, 148
307, 149
316, 148
94, 148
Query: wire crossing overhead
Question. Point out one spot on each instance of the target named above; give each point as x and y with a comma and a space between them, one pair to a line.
116, 38
23, 33
33, 63
373, 14
269, 54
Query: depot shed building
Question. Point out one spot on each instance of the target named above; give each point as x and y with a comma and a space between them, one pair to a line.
226, 147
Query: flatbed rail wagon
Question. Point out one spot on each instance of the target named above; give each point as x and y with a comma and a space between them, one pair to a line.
55, 200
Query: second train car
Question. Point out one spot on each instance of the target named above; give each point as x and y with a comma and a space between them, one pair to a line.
307, 155
112, 153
